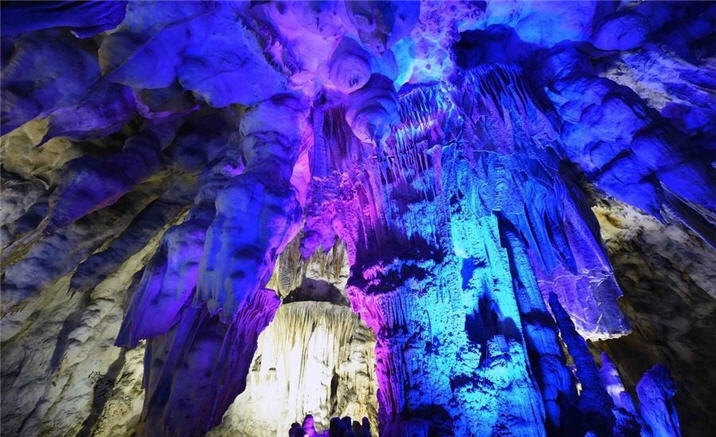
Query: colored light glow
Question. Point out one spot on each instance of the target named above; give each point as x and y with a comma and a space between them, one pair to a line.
431, 144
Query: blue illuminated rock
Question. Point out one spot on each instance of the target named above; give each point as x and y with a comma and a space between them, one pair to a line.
445, 171
84, 18
656, 392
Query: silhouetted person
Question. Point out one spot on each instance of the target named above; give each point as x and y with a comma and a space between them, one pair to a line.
366, 428
296, 430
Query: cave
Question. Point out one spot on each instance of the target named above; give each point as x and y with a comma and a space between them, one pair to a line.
343, 218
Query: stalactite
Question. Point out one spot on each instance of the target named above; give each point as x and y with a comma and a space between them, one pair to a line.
410, 188
656, 391
594, 403
629, 422
541, 336
187, 380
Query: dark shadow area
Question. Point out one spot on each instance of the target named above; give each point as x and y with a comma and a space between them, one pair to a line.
485, 322
496, 44
440, 421
317, 291
339, 427
102, 391
63, 337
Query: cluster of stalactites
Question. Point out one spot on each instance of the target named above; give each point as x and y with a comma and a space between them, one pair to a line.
485, 135
464, 177
245, 213
480, 159
201, 301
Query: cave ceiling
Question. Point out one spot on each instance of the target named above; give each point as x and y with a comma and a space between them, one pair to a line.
444, 218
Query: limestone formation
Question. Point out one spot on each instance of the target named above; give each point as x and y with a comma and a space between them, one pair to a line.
358, 218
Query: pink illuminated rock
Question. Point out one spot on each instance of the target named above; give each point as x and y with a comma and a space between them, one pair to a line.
349, 66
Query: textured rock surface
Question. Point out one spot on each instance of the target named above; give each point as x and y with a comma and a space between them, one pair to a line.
314, 357
423, 214
62, 374
667, 275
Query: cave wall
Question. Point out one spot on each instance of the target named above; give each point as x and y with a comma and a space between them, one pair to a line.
471, 218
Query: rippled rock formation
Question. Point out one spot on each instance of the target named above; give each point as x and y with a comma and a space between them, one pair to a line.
463, 218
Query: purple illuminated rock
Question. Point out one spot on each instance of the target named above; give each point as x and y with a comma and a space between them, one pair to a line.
146, 225
168, 282
84, 105
45, 72
350, 66
257, 213
94, 183
84, 18
144, 53
201, 45
243, 241
48, 259
373, 110
196, 370
381, 24
105, 109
